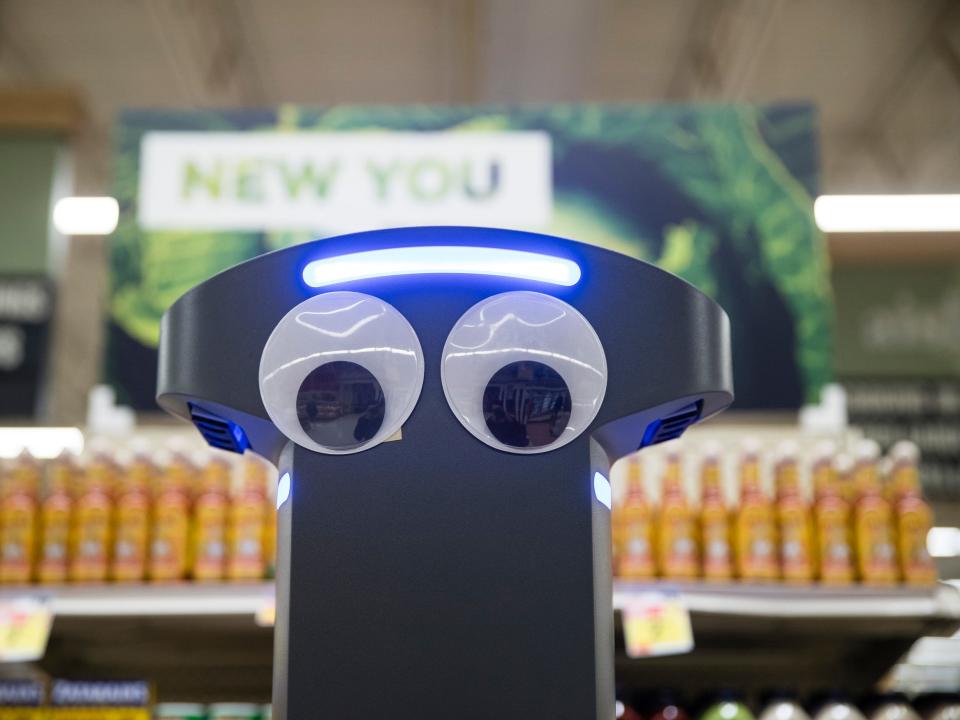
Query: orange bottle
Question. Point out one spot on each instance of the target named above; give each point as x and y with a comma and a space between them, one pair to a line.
904, 469
93, 522
675, 538
831, 534
865, 468
248, 518
714, 521
794, 525
633, 529
170, 537
131, 544
270, 536
210, 516
19, 520
843, 473
873, 533
56, 519
914, 518
822, 473
754, 525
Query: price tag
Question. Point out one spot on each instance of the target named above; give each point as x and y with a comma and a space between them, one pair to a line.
656, 622
24, 628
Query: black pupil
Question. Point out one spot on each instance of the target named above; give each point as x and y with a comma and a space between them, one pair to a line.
340, 405
526, 404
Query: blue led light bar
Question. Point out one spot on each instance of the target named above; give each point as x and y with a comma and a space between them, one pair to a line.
442, 260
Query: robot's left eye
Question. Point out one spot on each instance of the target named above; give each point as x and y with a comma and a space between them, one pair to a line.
524, 372
341, 372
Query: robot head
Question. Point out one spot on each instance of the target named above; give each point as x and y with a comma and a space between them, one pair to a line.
444, 405
504, 341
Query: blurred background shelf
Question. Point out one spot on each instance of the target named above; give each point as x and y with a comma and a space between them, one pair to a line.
760, 636
146, 600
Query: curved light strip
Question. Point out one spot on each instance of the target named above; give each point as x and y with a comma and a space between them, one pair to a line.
441, 260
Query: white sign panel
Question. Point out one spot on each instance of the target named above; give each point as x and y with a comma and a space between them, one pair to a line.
336, 181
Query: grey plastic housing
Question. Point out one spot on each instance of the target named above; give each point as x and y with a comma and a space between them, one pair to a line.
435, 575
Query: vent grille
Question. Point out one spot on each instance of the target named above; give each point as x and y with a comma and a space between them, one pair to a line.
672, 426
219, 432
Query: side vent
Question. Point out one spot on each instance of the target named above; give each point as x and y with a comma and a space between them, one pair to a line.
219, 432
672, 426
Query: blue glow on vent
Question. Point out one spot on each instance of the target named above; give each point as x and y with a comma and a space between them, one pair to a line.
673, 425
441, 260
219, 432
602, 489
283, 489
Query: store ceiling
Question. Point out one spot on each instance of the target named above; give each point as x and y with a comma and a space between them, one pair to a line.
884, 73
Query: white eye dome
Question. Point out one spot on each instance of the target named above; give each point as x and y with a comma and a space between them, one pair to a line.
341, 372
524, 372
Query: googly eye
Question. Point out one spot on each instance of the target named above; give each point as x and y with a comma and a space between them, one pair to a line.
341, 372
524, 372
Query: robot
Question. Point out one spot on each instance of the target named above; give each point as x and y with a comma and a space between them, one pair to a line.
443, 406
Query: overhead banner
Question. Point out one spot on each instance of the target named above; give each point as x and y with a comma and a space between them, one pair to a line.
720, 195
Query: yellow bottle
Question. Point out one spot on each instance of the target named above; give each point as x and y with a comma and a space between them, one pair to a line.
865, 471
56, 518
131, 546
170, 537
794, 524
210, 516
843, 466
93, 522
270, 537
675, 539
873, 528
754, 526
822, 474
904, 471
714, 521
248, 517
831, 514
18, 521
913, 515
633, 529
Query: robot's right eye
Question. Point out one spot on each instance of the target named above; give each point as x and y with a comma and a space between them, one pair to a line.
341, 372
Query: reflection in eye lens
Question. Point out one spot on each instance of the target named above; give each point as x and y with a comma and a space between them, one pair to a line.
526, 404
340, 405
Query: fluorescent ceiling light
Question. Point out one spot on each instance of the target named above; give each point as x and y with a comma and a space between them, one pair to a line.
887, 213
943, 542
41, 442
443, 260
86, 215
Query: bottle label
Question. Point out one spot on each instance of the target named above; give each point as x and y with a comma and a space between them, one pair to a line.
18, 538
130, 544
53, 554
795, 549
92, 546
716, 549
211, 542
168, 548
246, 551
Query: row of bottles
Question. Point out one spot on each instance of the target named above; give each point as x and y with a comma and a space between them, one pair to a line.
855, 529
62, 521
665, 704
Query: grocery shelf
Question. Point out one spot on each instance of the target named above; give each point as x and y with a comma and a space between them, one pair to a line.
150, 600
733, 599
789, 601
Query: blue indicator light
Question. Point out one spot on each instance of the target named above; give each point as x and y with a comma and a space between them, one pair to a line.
283, 489
601, 488
441, 260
